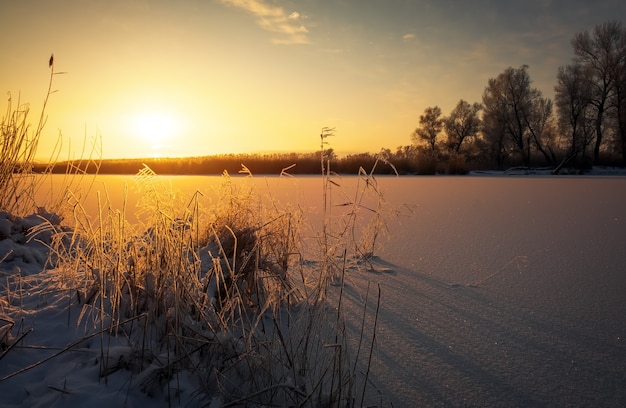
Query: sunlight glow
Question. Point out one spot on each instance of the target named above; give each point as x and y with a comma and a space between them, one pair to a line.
155, 128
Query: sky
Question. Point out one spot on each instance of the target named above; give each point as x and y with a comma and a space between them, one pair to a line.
156, 78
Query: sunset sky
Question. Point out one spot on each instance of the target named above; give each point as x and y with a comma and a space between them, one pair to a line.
201, 77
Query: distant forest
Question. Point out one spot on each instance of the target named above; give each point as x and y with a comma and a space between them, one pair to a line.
292, 163
513, 126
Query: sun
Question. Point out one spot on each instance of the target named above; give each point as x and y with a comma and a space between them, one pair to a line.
155, 128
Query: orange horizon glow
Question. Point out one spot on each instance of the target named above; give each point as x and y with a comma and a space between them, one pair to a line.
229, 76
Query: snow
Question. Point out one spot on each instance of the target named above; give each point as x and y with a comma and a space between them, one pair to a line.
501, 291
505, 291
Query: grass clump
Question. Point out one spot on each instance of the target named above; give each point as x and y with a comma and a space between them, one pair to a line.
212, 290
18, 147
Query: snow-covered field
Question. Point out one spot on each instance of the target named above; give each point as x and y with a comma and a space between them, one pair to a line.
506, 292
494, 291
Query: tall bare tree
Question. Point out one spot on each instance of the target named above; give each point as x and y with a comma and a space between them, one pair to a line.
620, 96
540, 123
601, 53
513, 109
573, 104
495, 141
463, 123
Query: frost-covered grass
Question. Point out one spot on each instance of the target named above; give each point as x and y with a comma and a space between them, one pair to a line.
202, 303
20, 188
18, 146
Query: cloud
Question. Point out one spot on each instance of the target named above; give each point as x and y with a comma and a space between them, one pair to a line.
408, 37
275, 19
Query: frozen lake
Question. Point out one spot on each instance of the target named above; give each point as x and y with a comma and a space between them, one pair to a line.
495, 291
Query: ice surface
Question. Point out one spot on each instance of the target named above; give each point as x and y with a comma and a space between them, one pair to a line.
494, 291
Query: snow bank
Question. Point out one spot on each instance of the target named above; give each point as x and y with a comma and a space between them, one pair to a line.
24, 241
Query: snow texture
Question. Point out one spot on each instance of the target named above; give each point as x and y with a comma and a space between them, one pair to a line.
494, 292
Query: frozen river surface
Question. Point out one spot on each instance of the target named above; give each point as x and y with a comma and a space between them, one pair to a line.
495, 291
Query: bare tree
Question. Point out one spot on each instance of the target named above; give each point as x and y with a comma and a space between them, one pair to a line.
513, 109
463, 123
541, 129
494, 134
619, 99
430, 127
573, 104
601, 53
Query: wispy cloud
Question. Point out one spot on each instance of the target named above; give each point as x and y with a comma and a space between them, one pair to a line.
408, 37
287, 26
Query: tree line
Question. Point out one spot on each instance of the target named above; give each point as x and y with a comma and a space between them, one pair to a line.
275, 164
515, 125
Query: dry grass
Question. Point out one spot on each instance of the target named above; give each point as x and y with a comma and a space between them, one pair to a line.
217, 291
18, 146
218, 288
18, 152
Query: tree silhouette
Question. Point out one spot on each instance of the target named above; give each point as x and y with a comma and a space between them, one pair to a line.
573, 104
513, 110
602, 54
463, 123
431, 124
